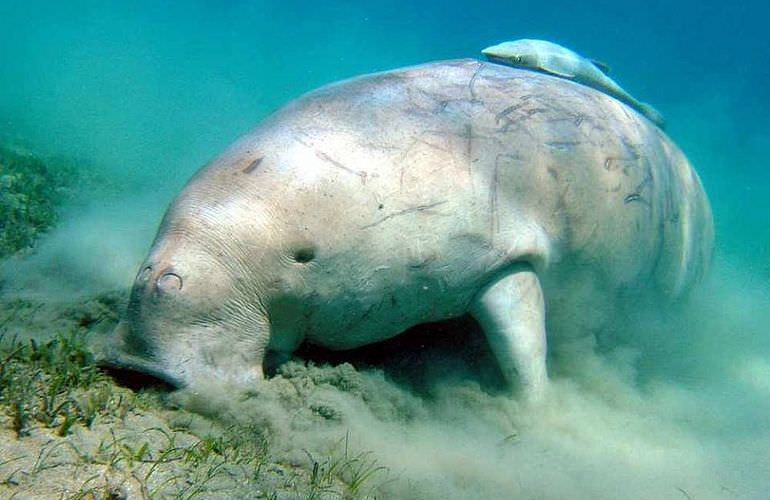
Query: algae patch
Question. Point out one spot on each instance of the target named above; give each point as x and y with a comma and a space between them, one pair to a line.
69, 430
31, 194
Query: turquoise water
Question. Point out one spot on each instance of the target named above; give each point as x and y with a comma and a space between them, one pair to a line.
152, 91
147, 93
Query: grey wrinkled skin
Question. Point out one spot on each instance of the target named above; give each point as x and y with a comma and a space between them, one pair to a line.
414, 195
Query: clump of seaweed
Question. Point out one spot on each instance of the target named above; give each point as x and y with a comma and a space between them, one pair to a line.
54, 387
54, 383
31, 194
340, 466
71, 432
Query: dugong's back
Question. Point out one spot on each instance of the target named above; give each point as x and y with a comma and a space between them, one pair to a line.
507, 151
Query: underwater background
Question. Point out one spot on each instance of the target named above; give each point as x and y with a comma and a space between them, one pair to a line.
144, 93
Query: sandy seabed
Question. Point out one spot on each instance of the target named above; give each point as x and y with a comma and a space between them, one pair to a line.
680, 414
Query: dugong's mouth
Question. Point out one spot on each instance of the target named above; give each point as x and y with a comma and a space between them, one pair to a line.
113, 353
114, 359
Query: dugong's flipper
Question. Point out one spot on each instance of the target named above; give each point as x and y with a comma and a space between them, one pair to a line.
511, 311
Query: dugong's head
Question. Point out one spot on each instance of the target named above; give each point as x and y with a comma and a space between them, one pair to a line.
198, 305
186, 319
180, 316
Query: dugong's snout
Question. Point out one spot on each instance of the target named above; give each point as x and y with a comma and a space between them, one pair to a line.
180, 358
117, 354
185, 322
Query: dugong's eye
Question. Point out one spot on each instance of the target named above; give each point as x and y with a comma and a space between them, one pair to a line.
304, 254
169, 283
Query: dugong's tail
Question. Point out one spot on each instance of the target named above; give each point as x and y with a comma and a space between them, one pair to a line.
652, 114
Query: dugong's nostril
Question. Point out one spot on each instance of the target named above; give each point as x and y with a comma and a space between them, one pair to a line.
144, 273
169, 283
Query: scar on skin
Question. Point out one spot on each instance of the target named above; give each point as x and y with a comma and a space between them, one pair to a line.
418, 208
635, 197
323, 156
631, 197
253, 165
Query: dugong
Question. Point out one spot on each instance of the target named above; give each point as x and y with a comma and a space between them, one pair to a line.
368, 206
549, 57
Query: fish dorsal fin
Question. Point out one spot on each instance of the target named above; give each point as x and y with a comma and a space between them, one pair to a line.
653, 114
603, 67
